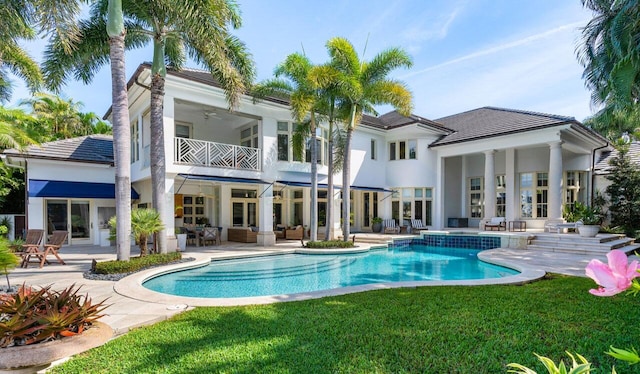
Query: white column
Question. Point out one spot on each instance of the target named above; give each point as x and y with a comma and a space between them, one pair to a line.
489, 184
555, 181
438, 195
265, 236
512, 205
169, 214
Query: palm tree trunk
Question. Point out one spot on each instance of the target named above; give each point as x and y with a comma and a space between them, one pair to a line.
158, 167
121, 146
346, 177
313, 226
329, 209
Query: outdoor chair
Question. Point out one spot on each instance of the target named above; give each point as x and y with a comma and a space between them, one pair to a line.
390, 226
209, 234
51, 248
416, 224
497, 223
294, 234
32, 240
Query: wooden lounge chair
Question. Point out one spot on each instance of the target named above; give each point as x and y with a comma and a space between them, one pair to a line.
209, 234
32, 240
57, 239
416, 224
390, 226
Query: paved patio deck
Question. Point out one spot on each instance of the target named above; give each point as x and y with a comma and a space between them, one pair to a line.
133, 306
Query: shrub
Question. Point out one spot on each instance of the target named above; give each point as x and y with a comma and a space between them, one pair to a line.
135, 263
330, 244
8, 260
31, 316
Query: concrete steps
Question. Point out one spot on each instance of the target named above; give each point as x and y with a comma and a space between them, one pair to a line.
573, 243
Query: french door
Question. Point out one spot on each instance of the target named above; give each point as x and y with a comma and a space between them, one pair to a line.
72, 216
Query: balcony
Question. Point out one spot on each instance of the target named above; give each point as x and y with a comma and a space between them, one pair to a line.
218, 155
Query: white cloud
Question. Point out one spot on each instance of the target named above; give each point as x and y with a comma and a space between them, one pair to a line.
429, 29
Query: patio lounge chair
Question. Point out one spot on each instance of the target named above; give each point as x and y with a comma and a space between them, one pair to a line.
497, 223
32, 240
390, 226
209, 234
57, 239
416, 224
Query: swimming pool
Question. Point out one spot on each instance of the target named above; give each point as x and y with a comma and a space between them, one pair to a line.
296, 273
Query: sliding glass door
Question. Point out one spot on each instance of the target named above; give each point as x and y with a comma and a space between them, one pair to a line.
72, 216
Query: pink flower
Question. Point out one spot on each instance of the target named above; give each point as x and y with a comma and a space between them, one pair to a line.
613, 278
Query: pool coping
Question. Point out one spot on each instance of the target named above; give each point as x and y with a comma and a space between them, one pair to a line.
131, 286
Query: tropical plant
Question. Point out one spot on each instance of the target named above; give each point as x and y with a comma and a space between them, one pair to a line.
8, 260
611, 58
33, 316
144, 223
305, 99
624, 193
174, 27
362, 86
59, 118
16, 25
587, 214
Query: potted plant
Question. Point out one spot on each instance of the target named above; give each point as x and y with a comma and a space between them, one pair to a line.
376, 224
591, 218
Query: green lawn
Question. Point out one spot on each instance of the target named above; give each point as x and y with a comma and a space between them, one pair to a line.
422, 330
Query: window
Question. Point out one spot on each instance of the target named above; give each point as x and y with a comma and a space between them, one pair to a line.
575, 188
534, 195
183, 131
283, 141
285, 146
193, 209
403, 150
135, 141
542, 192
297, 213
373, 149
244, 207
416, 203
476, 198
501, 196
249, 137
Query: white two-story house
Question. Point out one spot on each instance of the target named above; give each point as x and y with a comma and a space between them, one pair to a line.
237, 169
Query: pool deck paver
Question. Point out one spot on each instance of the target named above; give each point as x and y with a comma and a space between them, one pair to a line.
132, 306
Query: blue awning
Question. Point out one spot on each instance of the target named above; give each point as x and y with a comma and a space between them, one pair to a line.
281, 182
78, 190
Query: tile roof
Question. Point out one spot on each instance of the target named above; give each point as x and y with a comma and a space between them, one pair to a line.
91, 148
602, 165
394, 120
488, 122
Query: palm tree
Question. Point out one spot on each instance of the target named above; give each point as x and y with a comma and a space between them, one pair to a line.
16, 25
61, 119
176, 27
144, 223
120, 119
610, 55
363, 85
304, 104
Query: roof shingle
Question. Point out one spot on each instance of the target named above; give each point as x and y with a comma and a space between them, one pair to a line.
91, 148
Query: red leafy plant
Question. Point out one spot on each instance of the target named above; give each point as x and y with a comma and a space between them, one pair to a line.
32, 316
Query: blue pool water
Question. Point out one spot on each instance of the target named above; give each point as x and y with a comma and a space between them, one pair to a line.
291, 274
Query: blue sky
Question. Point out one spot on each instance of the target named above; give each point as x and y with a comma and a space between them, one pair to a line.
467, 54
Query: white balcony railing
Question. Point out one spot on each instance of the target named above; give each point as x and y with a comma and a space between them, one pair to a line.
218, 155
